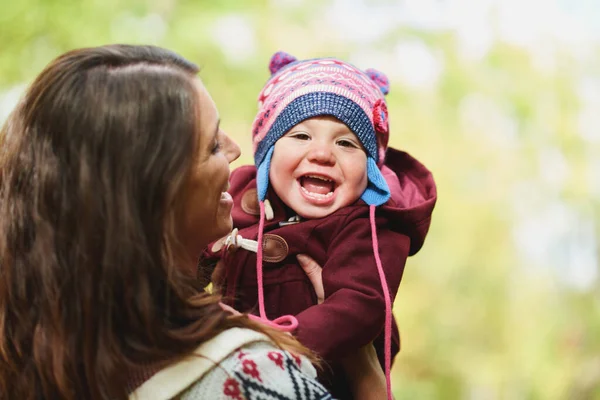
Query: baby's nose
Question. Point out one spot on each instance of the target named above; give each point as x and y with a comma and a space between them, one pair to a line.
321, 153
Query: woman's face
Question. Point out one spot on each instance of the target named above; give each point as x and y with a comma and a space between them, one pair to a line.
206, 214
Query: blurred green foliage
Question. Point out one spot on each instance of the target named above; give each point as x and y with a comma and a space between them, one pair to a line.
480, 317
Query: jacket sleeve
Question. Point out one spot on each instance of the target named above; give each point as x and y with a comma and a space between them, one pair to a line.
353, 312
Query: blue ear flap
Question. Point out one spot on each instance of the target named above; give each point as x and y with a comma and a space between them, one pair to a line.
380, 79
377, 191
262, 175
280, 60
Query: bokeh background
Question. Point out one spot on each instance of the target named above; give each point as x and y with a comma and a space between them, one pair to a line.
499, 98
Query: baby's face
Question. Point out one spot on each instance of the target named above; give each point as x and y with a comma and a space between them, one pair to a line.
318, 167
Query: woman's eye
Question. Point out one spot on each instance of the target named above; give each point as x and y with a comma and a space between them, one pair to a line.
216, 147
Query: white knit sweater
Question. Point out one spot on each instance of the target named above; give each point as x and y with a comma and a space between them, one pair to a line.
238, 364
259, 371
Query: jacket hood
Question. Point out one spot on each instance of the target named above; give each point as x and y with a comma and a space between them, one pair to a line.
413, 196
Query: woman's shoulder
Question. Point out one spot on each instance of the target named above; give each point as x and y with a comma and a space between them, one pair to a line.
259, 370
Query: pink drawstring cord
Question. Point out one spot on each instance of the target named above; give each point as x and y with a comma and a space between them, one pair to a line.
388, 304
286, 323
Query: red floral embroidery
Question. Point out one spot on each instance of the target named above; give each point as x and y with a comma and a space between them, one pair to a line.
231, 388
241, 354
249, 367
297, 359
277, 358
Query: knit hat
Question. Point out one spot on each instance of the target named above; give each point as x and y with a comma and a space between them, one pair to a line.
299, 90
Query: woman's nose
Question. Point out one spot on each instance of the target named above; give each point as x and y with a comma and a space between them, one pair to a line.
321, 153
230, 148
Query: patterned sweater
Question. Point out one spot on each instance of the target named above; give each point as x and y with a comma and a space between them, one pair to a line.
237, 364
259, 371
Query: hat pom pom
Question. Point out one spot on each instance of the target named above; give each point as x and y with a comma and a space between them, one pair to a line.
380, 79
280, 60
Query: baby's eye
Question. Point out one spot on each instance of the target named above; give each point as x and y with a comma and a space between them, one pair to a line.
347, 143
300, 136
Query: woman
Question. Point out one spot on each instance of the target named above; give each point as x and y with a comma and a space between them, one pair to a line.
113, 177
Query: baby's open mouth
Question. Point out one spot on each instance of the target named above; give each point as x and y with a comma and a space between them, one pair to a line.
317, 186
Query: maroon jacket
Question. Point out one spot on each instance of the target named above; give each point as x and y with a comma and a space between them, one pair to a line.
353, 312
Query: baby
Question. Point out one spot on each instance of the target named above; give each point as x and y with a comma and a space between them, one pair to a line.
325, 184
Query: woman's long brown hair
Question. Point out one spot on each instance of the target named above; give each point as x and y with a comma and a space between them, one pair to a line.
91, 163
